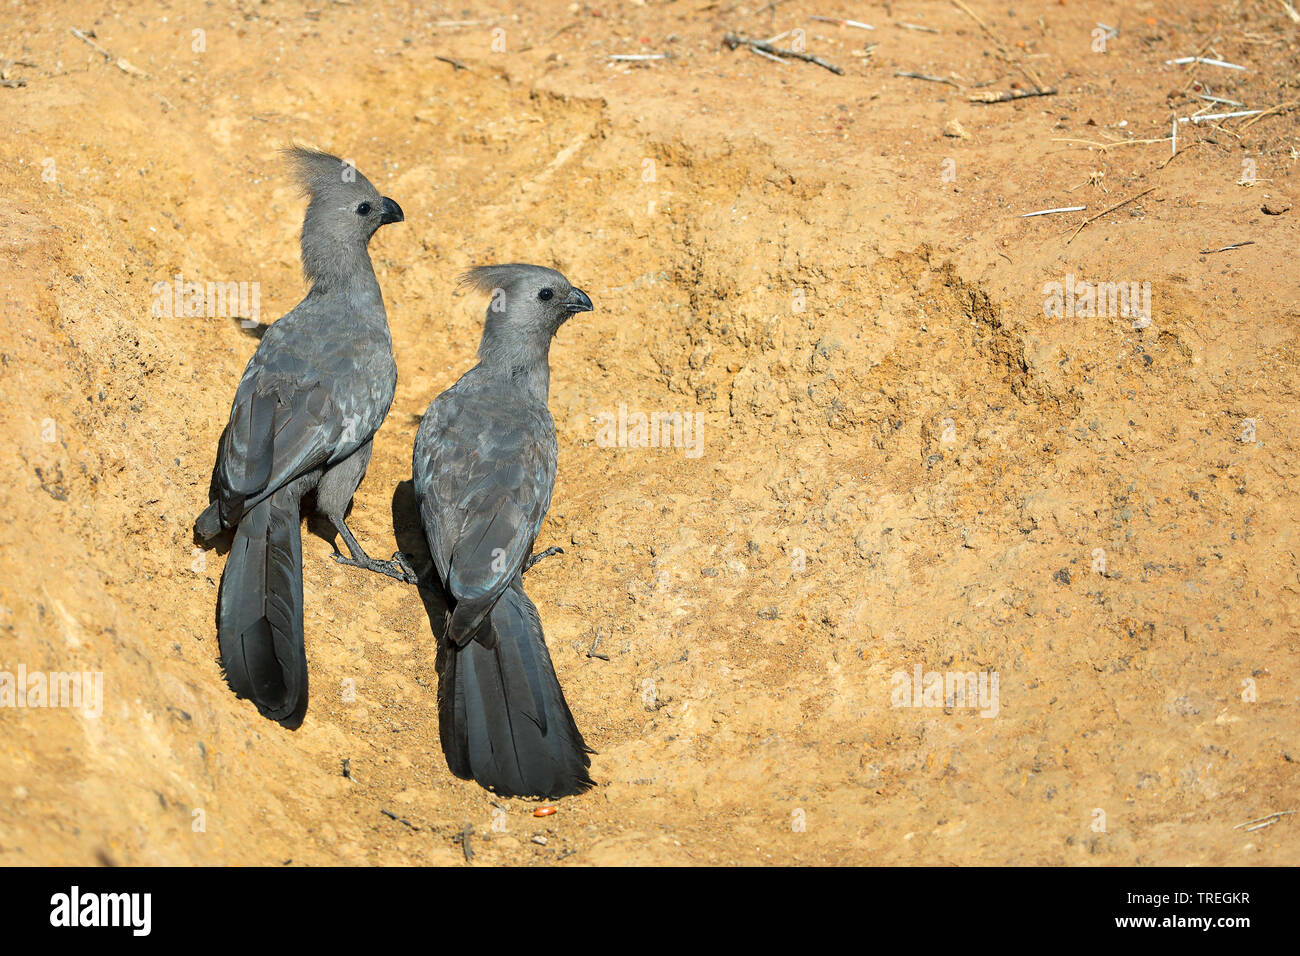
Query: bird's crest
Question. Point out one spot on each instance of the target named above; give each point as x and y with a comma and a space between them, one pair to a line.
488, 279
319, 172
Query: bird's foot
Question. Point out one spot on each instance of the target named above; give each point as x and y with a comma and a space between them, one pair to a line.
403, 561
399, 568
543, 554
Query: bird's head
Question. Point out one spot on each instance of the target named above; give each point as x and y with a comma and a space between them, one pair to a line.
344, 211
528, 304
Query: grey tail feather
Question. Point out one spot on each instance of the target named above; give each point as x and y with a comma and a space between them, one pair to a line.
259, 611
471, 620
503, 718
208, 525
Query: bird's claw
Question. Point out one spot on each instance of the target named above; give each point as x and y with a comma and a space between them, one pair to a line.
398, 568
542, 554
403, 561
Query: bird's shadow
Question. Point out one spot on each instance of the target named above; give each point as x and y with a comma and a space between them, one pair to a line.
410, 540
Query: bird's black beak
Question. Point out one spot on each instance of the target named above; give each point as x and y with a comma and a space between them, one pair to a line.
578, 302
391, 212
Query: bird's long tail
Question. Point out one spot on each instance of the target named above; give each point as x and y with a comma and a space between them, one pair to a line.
502, 715
259, 611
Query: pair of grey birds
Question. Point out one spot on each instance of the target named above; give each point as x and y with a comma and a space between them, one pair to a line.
311, 399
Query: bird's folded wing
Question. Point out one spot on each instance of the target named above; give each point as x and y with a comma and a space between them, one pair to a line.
281, 426
495, 522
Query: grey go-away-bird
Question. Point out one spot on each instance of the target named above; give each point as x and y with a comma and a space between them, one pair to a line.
311, 399
484, 468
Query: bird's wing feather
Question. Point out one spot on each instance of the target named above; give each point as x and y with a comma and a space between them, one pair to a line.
484, 477
290, 416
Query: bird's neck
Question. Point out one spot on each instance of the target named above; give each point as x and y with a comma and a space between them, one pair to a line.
522, 365
348, 276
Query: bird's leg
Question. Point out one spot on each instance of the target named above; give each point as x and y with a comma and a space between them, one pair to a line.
398, 568
403, 561
544, 554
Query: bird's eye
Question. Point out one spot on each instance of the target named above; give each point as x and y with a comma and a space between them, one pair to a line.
363, 209
545, 294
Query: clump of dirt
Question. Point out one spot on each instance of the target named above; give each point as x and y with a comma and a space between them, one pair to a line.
896, 464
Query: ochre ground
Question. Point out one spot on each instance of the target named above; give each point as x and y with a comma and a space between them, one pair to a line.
755, 601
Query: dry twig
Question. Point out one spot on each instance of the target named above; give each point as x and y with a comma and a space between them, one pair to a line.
843, 23
925, 76
393, 816
1208, 62
1272, 110
1235, 245
1107, 212
463, 839
733, 40
117, 61
1264, 821
1051, 212
1009, 95
1120, 142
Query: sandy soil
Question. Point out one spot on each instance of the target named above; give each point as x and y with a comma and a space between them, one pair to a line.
904, 463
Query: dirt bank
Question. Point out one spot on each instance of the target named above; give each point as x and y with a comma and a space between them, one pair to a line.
903, 462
